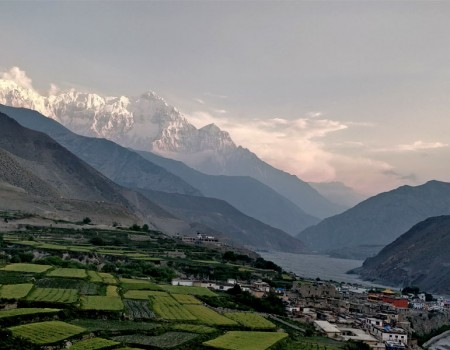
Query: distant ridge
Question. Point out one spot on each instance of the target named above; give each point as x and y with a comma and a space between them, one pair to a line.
379, 220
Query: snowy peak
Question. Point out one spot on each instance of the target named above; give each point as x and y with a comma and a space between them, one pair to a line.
145, 122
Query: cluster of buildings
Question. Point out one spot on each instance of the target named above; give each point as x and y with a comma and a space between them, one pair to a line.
379, 319
200, 239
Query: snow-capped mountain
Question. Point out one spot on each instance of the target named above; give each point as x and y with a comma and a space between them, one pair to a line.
148, 123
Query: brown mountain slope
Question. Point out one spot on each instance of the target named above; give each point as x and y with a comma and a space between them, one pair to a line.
420, 257
40, 166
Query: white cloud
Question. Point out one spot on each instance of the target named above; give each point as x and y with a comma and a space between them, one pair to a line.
221, 111
18, 76
53, 90
413, 147
420, 145
199, 100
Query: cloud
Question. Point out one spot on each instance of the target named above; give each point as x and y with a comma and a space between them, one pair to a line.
53, 90
221, 111
292, 145
199, 100
413, 147
420, 145
18, 76
210, 94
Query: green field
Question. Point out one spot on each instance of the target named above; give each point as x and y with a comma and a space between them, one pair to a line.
94, 344
46, 332
15, 291
107, 278
250, 320
94, 277
112, 291
68, 273
144, 294
95, 325
210, 317
103, 303
130, 283
188, 290
169, 309
236, 340
138, 309
186, 299
166, 340
193, 328
55, 295
26, 311
31, 268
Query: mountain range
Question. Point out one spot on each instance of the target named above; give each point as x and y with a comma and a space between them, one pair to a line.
366, 228
131, 170
420, 257
148, 123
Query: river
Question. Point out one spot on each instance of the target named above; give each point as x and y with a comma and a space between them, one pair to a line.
314, 265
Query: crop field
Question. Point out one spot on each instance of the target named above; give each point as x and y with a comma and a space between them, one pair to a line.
169, 309
188, 290
46, 332
14, 277
31, 268
210, 317
26, 311
94, 344
129, 283
144, 294
68, 273
193, 328
102, 303
186, 299
107, 278
94, 325
138, 309
94, 277
54, 295
15, 291
84, 288
236, 340
112, 291
250, 320
164, 341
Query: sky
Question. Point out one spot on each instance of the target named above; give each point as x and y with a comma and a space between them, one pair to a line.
349, 91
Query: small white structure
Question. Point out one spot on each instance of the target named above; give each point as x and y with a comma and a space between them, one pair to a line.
329, 329
180, 282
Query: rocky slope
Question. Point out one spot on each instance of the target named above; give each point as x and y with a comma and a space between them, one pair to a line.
148, 123
39, 166
379, 220
223, 217
420, 257
338, 193
246, 194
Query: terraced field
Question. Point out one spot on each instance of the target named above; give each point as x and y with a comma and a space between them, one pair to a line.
68, 273
94, 344
15, 291
129, 283
138, 309
166, 340
144, 294
169, 309
101, 303
31, 268
250, 320
236, 340
209, 317
186, 299
55, 295
26, 311
46, 332
188, 290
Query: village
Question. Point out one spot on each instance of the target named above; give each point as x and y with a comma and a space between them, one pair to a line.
343, 312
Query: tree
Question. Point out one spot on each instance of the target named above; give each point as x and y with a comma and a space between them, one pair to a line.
86, 221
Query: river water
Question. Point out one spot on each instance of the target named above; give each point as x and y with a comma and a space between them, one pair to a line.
314, 265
